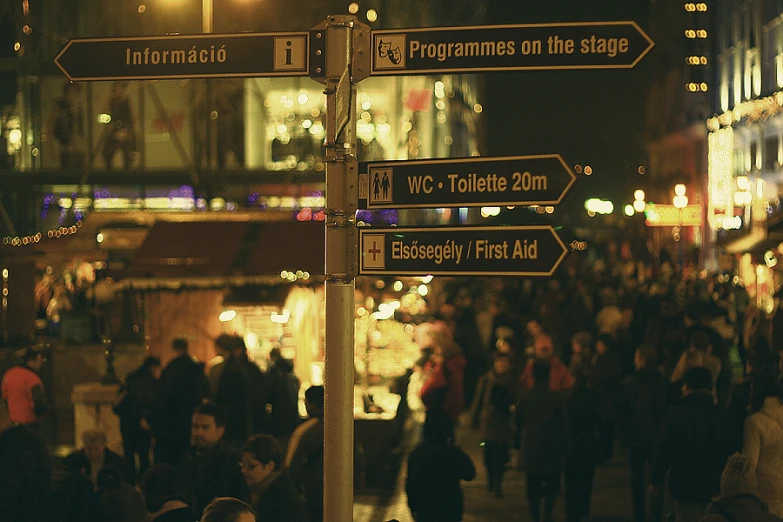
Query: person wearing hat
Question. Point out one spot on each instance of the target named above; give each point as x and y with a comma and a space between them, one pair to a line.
737, 501
23, 391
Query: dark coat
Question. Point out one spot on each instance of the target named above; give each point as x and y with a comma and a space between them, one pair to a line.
583, 407
738, 410
25, 476
740, 508
182, 386
283, 398
277, 500
73, 498
693, 449
109, 459
433, 482
139, 390
491, 408
235, 395
123, 504
212, 475
641, 405
546, 435
605, 376
306, 468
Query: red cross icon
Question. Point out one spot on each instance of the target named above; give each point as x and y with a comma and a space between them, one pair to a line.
374, 250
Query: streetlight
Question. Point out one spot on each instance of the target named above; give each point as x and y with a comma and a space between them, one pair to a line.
680, 201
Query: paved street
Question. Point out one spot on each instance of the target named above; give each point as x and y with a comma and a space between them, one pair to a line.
611, 496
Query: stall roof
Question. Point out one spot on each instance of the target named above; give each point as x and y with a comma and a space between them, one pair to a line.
229, 249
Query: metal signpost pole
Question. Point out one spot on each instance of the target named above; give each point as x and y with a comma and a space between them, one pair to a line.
341, 259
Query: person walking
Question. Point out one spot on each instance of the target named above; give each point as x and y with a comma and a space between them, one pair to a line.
763, 440
283, 397
641, 404
560, 378
693, 448
133, 405
182, 386
491, 413
444, 382
605, 375
545, 441
435, 469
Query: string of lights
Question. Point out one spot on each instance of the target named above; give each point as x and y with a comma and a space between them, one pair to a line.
54, 233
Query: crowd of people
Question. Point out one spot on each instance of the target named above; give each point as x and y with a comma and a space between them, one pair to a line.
555, 375
224, 442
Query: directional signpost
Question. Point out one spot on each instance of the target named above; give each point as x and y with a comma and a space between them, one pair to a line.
590, 45
185, 56
341, 52
489, 251
469, 182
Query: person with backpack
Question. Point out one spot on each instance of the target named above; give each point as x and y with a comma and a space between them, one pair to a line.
134, 401
491, 412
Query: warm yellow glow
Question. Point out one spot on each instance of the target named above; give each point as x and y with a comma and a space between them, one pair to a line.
639, 205
639, 194
227, 315
679, 189
742, 198
629, 210
397, 286
372, 15
353, 8
302, 98
680, 201
743, 183
489, 211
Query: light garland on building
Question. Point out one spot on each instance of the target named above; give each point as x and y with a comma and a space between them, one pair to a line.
55, 233
752, 111
721, 182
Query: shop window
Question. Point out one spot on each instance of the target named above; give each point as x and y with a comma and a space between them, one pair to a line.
771, 153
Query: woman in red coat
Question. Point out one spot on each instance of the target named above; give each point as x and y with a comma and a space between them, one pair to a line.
444, 385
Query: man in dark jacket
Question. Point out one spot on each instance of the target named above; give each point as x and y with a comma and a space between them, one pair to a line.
182, 386
211, 466
435, 469
305, 454
134, 402
546, 440
641, 404
283, 397
693, 448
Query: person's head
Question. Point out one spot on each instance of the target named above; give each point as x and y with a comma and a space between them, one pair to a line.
180, 345
501, 365
78, 464
762, 387
238, 347
33, 359
697, 379
223, 345
603, 344
534, 328
438, 427
543, 347
737, 477
160, 484
109, 478
208, 425
151, 365
541, 373
94, 442
314, 401
226, 509
645, 357
582, 342
261, 456
700, 341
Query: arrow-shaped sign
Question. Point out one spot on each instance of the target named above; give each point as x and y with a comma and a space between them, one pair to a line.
456, 251
185, 56
590, 45
466, 182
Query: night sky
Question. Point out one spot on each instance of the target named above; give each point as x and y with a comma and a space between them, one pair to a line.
592, 117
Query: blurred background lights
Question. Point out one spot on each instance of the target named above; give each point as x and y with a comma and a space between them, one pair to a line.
629, 210
638, 194
353, 8
639, 205
423, 290
372, 15
397, 286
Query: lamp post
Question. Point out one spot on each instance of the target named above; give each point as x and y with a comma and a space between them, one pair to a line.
680, 201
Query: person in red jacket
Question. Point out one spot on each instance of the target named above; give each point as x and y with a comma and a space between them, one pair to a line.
22, 390
444, 384
559, 376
